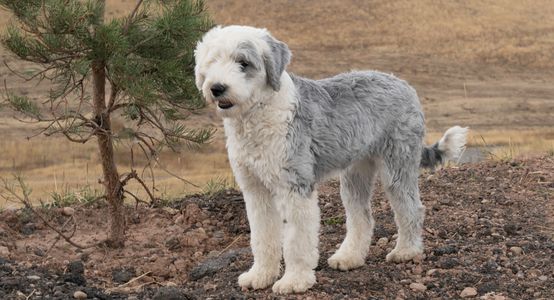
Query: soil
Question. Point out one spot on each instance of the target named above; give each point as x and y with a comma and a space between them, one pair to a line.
488, 232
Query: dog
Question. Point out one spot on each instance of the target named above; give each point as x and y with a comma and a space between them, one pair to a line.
286, 134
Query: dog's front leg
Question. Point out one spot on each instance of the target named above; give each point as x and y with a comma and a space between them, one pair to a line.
265, 233
300, 238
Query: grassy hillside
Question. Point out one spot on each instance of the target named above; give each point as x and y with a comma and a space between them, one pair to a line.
484, 64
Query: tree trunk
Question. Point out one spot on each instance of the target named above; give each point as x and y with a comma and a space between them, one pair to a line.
114, 190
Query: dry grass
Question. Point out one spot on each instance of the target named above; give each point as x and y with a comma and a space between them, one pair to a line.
488, 65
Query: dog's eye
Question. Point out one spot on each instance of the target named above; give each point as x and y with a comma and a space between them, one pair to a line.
243, 64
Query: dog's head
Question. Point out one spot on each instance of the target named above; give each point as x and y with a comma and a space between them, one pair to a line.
236, 66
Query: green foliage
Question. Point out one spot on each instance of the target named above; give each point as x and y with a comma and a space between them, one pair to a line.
23, 105
338, 220
85, 196
148, 57
216, 186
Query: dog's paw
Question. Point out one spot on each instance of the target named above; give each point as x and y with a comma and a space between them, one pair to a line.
403, 254
257, 279
345, 261
294, 282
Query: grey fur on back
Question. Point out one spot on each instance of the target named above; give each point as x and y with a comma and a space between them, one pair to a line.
345, 118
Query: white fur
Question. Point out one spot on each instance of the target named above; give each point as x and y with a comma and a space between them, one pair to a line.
256, 128
453, 142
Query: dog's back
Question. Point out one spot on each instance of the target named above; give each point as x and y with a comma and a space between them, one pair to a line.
352, 115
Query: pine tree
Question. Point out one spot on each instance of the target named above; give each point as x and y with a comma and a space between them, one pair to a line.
139, 67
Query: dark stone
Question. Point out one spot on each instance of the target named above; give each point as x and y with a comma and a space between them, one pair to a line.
75, 272
171, 293
173, 243
448, 263
122, 275
76, 267
10, 284
511, 229
4, 261
78, 279
489, 267
448, 249
39, 252
487, 287
211, 265
28, 228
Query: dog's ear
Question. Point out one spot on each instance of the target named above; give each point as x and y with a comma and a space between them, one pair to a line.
275, 61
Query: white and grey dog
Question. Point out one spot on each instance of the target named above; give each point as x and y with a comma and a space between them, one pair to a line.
285, 134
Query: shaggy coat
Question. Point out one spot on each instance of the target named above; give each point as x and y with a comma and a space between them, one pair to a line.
285, 134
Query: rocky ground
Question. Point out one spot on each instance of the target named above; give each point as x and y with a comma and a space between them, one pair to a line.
489, 234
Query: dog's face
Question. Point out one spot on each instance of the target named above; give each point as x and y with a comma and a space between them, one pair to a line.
238, 66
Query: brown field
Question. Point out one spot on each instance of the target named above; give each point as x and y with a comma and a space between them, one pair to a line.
488, 65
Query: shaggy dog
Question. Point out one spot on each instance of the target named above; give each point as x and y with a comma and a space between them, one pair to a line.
285, 134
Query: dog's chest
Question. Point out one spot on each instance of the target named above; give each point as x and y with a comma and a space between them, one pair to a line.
260, 148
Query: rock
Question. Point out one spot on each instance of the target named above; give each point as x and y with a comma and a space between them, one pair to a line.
490, 267
193, 238
449, 263
431, 272
511, 229
173, 243
79, 295
75, 273
4, 251
68, 211
383, 242
214, 264
417, 270
76, 267
543, 278
193, 214
516, 250
28, 228
449, 249
171, 211
489, 178
39, 252
33, 277
468, 292
418, 287
180, 220
123, 275
171, 293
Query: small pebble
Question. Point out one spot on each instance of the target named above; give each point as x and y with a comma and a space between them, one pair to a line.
516, 250
431, 272
543, 278
489, 178
68, 211
4, 251
468, 292
382, 242
418, 287
79, 295
33, 277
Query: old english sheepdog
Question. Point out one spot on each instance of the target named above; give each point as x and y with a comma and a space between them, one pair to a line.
285, 134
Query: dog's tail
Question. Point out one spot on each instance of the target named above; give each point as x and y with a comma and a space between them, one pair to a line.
449, 147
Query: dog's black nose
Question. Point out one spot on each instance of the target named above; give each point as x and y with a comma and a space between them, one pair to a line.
218, 89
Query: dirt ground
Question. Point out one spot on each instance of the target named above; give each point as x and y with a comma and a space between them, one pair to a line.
489, 227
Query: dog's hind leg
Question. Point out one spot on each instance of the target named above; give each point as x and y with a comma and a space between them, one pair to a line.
356, 185
300, 240
265, 233
400, 180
